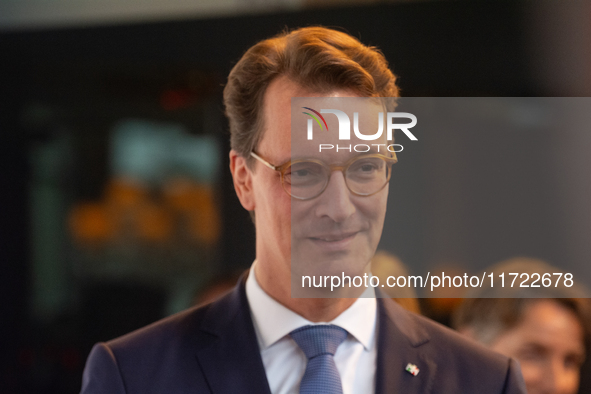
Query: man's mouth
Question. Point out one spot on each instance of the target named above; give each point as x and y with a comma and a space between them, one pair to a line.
333, 238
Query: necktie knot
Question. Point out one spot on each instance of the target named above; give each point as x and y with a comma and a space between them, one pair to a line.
319, 343
319, 339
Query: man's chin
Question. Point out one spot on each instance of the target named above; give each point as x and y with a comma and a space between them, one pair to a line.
328, 265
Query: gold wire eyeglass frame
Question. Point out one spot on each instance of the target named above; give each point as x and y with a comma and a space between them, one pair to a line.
333, 167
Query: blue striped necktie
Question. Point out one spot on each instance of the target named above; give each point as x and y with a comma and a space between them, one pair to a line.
319, 343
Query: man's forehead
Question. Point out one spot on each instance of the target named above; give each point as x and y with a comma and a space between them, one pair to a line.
282, 90
337, 127
284, 128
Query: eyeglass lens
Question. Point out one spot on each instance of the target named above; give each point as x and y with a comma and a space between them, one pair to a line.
307, 179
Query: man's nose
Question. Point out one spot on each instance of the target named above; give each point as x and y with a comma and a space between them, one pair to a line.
335, 202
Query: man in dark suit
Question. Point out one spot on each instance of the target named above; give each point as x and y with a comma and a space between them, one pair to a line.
325, 212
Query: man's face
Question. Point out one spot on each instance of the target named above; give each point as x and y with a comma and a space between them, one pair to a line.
333, 233
549, 346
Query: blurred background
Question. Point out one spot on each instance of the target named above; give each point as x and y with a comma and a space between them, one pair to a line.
118, 205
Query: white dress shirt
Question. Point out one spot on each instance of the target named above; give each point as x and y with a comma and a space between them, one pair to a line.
285, 362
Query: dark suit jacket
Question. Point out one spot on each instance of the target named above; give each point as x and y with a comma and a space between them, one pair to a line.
214, 350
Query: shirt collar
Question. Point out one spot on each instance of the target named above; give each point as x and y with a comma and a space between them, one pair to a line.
273, 321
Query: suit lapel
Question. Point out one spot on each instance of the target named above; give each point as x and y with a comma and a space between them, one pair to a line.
228, 351
229, 355
400, 342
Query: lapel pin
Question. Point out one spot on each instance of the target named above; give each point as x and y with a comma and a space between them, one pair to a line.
412, 369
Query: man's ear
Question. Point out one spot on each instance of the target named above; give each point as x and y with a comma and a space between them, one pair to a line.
242, 177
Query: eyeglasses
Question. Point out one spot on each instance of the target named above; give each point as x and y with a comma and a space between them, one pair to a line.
305, 179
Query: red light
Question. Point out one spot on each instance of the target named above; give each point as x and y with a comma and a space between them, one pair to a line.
175, 99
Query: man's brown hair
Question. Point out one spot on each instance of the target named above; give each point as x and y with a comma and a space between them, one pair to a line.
316, 58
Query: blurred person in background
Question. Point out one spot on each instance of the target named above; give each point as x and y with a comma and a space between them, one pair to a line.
545, 328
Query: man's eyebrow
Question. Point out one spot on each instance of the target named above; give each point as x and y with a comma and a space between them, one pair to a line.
383, 152
284, 160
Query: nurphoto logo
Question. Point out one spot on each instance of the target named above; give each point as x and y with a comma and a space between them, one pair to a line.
345, 129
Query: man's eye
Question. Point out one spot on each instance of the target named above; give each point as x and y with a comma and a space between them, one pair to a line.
367, 168
301, 173
304, 170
